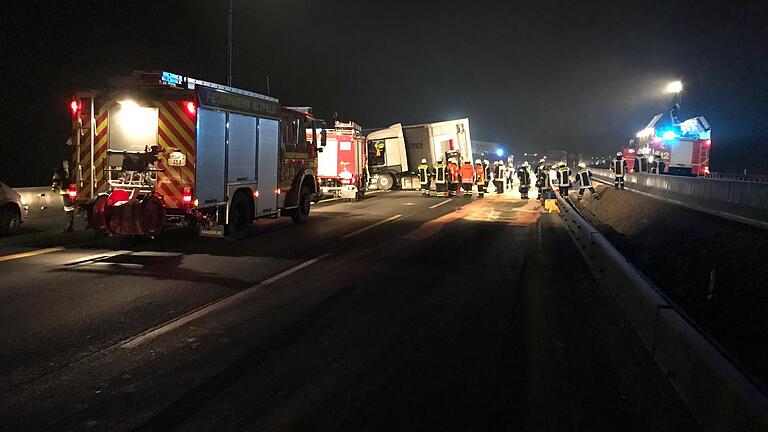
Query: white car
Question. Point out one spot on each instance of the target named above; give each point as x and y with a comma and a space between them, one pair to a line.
13, 210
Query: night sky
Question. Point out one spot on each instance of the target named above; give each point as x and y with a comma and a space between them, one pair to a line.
577, 75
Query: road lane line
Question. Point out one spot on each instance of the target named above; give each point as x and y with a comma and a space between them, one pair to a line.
366, 228
441, 203
90, 259
30, 253
214, 306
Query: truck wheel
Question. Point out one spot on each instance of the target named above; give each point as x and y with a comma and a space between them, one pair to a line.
301, 214
386, 182
239, 219
10, 220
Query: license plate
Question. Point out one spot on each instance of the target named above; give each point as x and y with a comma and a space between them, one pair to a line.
177, 159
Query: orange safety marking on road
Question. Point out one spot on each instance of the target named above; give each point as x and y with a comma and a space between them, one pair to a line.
481, 210
30, 253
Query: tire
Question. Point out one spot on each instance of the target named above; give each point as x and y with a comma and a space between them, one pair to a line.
10, 220
386, 182
301, 215
239, 219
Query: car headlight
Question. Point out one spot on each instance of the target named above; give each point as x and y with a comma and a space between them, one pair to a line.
23, 201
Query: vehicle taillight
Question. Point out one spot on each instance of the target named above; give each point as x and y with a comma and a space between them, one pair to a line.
186, 196
74, 106
72, 192
190, 107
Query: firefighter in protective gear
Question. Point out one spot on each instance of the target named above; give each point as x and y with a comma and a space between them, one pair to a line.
524, 176
439, 173
467, 178
563, 178
424, 177
619, 168
480, 179
544, 181
539, 167
658, 165
641, 164
60, 183
487, 172
584, 180
453, 177
498, 176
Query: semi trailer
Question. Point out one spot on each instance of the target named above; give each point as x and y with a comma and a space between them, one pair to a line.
395, 153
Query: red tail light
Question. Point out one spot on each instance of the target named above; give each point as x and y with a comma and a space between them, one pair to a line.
74, 106
187, 196
72, 192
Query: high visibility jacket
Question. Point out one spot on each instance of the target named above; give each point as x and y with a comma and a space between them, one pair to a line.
487, 169
423, 173
544, 181
467, 173
480, 174
439, 172
453, 172
619, 167
641, 164
524, 176
564, 176
583, 178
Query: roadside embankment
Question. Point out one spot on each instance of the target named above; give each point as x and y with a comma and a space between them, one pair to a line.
712, 268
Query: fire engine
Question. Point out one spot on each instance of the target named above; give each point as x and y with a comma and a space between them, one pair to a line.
342, 165
684, 147
162, 149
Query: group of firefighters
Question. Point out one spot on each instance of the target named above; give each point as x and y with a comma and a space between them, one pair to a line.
454, 179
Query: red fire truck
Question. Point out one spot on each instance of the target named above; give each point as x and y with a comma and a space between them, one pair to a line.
684, 147
342, 165
162, 149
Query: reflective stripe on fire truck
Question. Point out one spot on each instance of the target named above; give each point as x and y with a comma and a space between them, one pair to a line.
176, 130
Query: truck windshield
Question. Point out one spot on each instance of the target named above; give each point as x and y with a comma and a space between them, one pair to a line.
376, 152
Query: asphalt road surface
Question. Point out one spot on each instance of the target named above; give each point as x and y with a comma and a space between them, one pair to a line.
393, 313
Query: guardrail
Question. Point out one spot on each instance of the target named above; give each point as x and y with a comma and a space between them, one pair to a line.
742, 201
720, 396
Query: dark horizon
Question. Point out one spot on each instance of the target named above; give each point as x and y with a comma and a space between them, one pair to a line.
584, 77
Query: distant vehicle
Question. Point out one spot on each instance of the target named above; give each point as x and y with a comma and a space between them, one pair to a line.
342, 164
13, 210
395, 153
164, 150
684, 147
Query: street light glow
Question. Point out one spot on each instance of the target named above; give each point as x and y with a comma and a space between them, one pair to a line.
675, 87
499, 152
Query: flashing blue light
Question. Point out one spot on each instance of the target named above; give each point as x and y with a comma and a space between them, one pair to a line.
669, 135
499, 152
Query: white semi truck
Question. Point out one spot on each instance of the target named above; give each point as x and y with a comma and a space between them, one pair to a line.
395, 153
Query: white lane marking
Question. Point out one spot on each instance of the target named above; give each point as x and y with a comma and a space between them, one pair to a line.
212, 307
97, 257
371, 226
441, 203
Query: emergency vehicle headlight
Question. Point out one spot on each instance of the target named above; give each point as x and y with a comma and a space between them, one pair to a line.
23, 201
346, 175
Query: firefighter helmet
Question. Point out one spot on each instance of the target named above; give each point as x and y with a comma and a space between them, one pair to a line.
477, 161
619, 154
423, 161
525, 164
582, 165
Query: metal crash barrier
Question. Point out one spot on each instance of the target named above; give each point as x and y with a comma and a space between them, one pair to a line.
720, 396
738, 198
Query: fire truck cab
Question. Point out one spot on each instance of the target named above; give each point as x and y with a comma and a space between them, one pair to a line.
163, 149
